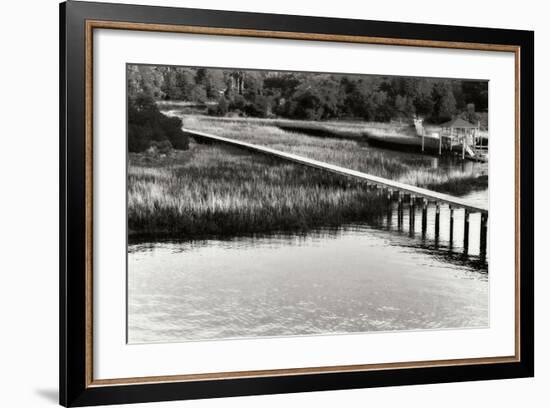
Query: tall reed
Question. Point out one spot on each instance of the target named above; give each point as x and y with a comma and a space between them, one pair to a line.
217, 190
348, 149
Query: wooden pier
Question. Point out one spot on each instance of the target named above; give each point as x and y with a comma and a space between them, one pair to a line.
458, 134
390, 187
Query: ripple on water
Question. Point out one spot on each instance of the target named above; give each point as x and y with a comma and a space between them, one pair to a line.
346, 280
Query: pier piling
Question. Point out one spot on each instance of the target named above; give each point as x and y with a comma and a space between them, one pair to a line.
466, 230
483, 236
389, 210
424, 216
436, 226
451, 226
400, 211
437, 212
411, 214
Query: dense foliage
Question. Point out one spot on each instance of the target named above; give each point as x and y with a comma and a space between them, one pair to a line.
312, 96
148, 127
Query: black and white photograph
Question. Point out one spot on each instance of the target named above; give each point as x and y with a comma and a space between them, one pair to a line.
281, 203
263, 204
213, 204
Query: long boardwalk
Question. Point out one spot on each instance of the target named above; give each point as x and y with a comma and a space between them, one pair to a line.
390, 187
383, 183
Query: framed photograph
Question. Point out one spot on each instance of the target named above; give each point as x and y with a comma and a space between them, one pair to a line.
256, 203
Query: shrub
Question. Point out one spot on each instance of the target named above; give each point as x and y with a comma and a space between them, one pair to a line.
222, 106
146, 124
220, 109
174, 134
139, 137
163, 147
238, 103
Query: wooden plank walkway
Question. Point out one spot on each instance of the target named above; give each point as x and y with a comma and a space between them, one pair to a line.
388, 184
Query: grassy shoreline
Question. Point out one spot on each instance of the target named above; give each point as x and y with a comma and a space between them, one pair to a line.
218, 190
349, 149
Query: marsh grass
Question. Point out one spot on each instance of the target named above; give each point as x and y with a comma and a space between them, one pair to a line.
348, 148
456, 186
218, 190
225, 191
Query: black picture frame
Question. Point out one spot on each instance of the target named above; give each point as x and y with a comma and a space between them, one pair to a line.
75, 389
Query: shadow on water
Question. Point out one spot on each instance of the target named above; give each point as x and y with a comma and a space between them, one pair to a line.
418, 233
446, 237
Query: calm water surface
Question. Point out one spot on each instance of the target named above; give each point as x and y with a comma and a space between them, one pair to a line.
353, 279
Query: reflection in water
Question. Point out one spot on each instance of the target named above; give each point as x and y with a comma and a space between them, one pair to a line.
357, 278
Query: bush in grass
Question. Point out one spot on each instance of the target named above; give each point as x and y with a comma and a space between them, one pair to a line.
238, 103
220, 109
223, 106
163, 147
139, 137
146, 124
174, 134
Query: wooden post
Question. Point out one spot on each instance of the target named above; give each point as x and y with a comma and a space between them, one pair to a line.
437, 211
483, 237
451, 225
440, 137
400, 211
424, 216
466, 230
411, 214
389, 209
463, 146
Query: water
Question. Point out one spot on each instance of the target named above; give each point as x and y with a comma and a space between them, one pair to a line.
357, 278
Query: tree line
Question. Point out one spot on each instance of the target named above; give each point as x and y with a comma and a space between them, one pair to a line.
310, 96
